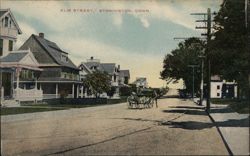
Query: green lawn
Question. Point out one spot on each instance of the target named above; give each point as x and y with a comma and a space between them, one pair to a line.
65, 106
240, 106
31, 108
22, 110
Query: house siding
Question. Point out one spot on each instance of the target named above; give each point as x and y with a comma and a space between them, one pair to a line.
51, 72
40, 54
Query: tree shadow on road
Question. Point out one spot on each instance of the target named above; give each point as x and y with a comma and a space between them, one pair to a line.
188, 107
140, 119
186, 111
196, 125
221, 110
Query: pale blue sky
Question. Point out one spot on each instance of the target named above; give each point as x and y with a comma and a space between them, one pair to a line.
136, 41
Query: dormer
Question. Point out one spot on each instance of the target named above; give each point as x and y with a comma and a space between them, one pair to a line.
9, 30
64, 57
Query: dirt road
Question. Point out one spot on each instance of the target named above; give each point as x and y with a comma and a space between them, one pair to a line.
175, 127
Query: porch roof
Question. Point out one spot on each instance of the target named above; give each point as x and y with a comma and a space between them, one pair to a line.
13, 57
18, 65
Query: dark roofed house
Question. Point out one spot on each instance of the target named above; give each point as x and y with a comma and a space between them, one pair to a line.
59, 75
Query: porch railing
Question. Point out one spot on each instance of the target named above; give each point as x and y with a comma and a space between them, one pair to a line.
28, 94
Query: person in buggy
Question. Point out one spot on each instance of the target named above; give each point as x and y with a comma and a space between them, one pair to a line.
135, 97
156, 96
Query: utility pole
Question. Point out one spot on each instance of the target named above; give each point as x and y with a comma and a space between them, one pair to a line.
193, 66
202, 79
207, 21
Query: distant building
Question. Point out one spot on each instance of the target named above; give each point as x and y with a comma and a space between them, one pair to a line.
124, 77
117, 78
141, 82
222, 89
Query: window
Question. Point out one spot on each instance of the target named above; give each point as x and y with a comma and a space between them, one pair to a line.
93, 67
10, 45
1, 47
218, 86
64, 58
218, 94
6, 19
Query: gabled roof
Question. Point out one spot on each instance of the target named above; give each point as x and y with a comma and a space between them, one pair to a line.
124, 73
92, 64
216, 78
83, 65
140, 80
20, 58
54, 51
13, 57
105, 67
5, 12
2, 12
108, 67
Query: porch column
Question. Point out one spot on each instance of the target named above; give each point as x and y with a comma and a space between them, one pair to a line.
85, 93
12, 83
2, 95
17, 79
73, 90
81, 91
77, 91
1, 87
36, 85
56, 90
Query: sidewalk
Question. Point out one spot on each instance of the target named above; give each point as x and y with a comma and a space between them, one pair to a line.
234, 128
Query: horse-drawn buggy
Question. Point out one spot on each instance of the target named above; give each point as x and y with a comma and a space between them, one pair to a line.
140, 101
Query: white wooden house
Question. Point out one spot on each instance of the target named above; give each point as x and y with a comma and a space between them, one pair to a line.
19, 70
141, 82
222, 88
9, 31
117, 78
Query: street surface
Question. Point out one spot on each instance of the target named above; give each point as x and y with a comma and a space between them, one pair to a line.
175, 127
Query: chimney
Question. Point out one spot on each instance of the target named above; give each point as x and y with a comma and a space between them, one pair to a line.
41, 35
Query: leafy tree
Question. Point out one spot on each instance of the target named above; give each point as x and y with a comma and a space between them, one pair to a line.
125, 91
175, 65
133, 87
229, 50
98, 82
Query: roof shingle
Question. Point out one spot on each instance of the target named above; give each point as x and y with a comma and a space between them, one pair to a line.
13, 57
55, 52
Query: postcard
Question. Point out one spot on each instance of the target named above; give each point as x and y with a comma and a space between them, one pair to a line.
117, 77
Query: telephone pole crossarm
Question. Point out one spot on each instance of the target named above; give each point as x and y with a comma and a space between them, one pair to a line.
207, 21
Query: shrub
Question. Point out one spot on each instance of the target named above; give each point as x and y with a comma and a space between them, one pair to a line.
125, 91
